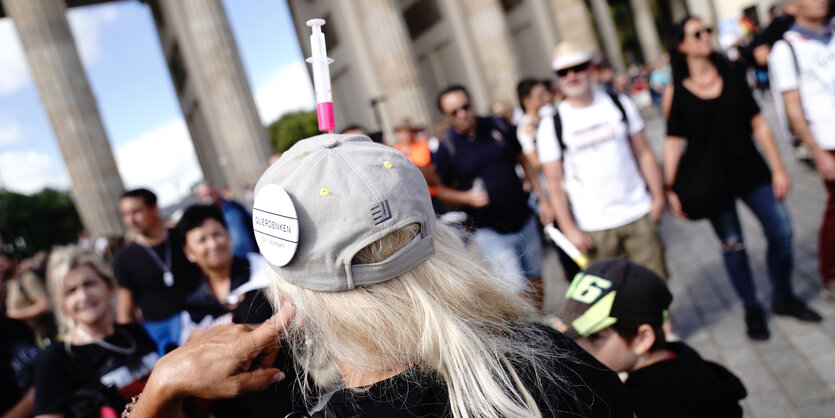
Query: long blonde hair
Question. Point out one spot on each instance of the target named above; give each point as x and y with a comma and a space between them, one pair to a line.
449, 316
61, 262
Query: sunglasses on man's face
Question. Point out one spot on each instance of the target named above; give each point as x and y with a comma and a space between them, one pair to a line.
575, 69
464, 108
702, 32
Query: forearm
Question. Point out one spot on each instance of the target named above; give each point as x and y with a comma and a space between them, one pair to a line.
156, 401
34, 310
672, 156
451, 196
801, 128
24, 407
648, 166
764, 137
797, 120
531, 174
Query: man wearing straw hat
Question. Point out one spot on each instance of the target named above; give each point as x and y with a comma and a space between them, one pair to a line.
603, 179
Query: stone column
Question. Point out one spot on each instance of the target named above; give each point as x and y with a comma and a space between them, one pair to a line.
491, 38
608, 33
704, 10
574, 23
646, 31
184, 86
72, 110
548, 31
387, 43
222, 89
477, 79
678, 10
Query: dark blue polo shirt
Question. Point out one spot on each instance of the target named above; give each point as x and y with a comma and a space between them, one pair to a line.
491, 154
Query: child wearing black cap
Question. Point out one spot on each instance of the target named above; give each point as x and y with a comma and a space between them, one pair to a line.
615, 310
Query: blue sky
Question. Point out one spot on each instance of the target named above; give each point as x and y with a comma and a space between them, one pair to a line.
127, 72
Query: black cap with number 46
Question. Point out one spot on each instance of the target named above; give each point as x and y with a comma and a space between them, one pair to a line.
612, 290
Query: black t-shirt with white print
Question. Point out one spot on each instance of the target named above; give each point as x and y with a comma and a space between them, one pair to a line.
59, 374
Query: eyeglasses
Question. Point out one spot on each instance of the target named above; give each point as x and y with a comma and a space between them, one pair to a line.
575, 69
702, 32
464, 108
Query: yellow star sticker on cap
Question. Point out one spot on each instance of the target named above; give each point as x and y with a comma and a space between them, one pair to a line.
388, 165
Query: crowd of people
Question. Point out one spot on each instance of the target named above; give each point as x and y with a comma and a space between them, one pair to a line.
406, 280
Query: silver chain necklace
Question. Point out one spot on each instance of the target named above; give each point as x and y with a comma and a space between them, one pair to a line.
107, 346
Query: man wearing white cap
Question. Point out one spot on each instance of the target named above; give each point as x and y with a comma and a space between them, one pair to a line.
603, 180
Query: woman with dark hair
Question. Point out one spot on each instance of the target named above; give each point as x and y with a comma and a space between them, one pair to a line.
229, 292
711, 108
229, 288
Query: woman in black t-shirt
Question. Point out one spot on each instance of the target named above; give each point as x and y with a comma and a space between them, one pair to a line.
230, 291
713, 110
230, 286
99, 364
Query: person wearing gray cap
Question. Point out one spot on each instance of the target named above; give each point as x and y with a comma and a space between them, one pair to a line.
386, 311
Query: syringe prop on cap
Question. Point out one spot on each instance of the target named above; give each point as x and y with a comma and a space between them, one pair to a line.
319, 61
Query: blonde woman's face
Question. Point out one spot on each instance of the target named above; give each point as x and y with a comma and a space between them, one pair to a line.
86, 296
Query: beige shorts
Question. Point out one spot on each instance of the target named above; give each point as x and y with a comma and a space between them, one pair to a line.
638, 240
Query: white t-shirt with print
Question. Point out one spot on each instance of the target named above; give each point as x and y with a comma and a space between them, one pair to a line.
601, 175
816, 84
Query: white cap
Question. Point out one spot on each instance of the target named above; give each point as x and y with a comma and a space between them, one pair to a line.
568, 54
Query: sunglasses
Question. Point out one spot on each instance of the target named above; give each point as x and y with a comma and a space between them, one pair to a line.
702, 32
464, 108
575, 69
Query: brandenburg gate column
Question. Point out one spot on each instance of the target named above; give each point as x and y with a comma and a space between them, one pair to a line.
573, 23
223, 90
386, 40
492, 41
72, 110
608, 33
646, 31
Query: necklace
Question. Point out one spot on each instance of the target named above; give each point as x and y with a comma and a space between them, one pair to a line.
707, 83
108, 346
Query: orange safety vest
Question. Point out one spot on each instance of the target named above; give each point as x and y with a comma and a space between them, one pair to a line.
418, 154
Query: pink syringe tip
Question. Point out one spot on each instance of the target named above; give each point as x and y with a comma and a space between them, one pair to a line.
324, 112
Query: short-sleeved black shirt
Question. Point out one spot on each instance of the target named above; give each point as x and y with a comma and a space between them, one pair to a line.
727, 120
18, 355
58, 374
589, 389
253, 309
490, 154
685, 386
136, 270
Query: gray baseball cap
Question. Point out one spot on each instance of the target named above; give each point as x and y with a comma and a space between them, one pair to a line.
330, 196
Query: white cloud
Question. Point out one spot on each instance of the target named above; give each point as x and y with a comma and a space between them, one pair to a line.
29, 172
162, 160
10, 131
86, 24
287, 89
15, 71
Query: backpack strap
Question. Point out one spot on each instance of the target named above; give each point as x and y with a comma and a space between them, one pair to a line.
794, 57
558, 128
619, 105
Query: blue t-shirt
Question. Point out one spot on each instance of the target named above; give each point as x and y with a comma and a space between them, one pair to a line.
491, 154
239, 224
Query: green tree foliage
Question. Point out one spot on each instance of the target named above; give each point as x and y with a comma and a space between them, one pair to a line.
291, 127
43, 219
